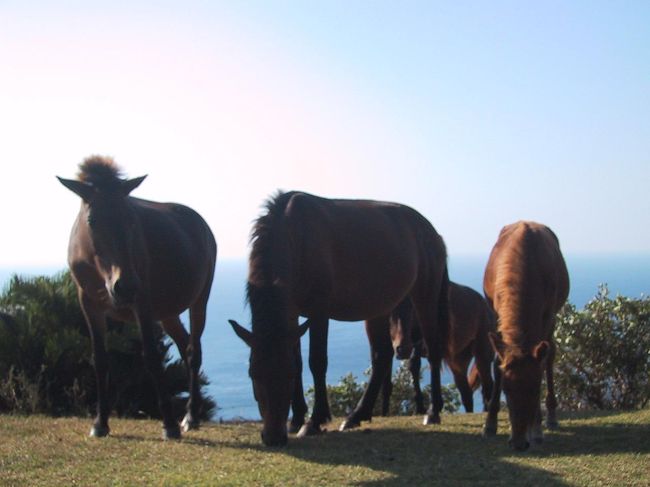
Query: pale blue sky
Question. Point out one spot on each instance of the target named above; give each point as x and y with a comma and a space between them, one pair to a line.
475, 113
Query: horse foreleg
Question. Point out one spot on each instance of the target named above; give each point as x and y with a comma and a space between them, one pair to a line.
551, 401
460, 379
153, 362
318, 365
298, 404
381, 353
490, 428
96, 321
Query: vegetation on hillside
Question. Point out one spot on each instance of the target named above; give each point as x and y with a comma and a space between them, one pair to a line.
46, 363
603, 359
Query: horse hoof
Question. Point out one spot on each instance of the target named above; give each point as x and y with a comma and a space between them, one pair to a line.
552, 425
99, 431
189, 423
431, 419
308, 429
349, 424
171, 433
489, 431
294, 428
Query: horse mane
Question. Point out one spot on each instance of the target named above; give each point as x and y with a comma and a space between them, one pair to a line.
266, 290
514, 269
100, 171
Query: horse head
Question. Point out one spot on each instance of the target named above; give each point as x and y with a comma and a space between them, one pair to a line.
402, 321
272, 370
521, 382
108, 220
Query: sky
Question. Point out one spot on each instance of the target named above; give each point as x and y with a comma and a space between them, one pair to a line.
477, 114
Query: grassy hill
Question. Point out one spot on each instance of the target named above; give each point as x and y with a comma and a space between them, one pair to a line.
590, 449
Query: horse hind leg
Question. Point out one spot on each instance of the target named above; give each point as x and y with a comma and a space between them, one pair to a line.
298, 404
381, 353
427, 310
176, 331
194, 361
154, 365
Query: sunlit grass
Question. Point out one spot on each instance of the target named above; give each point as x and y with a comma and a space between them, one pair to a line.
589, 449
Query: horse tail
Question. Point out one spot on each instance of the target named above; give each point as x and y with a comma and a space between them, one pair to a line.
443, 310
474, 378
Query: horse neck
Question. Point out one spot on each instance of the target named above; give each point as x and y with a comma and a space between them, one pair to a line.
268, 308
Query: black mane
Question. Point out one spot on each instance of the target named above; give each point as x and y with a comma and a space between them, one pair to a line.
269, 268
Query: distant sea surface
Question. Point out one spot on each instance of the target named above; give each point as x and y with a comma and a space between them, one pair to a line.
226, 357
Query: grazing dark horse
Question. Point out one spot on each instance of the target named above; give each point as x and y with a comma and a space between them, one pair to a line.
526, 283
470, 321
331, 258
142, 261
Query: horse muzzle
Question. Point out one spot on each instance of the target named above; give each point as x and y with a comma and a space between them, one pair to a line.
124, 293
403, 352
275, 439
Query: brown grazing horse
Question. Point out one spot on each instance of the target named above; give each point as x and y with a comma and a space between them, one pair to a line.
142, 261
470, 321
343, 259
526, 282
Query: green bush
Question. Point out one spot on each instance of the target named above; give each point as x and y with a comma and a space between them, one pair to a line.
603, 358
344, 396
45, 356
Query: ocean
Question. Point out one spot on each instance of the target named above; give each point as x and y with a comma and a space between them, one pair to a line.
225, 356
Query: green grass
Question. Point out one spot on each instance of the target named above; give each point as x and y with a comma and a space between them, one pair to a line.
590, 449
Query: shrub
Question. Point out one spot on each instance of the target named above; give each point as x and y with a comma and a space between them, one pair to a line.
603, 358
45, 356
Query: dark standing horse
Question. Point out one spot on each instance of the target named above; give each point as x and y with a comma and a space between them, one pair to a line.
343, 259
526, 283
138, 260
470, 321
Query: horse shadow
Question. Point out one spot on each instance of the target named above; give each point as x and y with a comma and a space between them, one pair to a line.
453, 458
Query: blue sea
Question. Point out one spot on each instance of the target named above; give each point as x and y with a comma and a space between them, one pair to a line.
225, 356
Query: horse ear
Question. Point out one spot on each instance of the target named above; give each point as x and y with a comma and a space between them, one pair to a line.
497, 344
242, 333
540, 352
84, 190
130, 184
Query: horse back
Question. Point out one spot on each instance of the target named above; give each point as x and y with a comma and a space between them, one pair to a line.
180, 246
359, 258
469, 317
526, 280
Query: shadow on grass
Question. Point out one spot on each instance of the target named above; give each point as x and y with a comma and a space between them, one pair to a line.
429, 455
453, 458
419, 458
